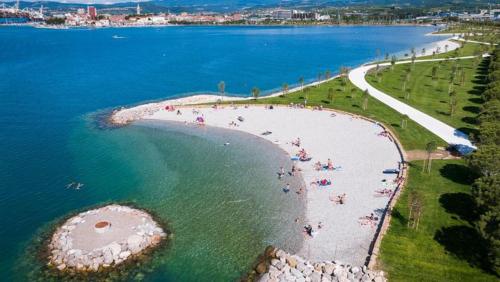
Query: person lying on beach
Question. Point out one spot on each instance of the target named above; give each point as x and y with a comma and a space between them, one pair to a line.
370, 220
281, 173
300, 191
318, 166
339, 199
322, 182
294, 170
308, 230
303, 156
287, 188
329, 165
384, 192
232, 123
296, 142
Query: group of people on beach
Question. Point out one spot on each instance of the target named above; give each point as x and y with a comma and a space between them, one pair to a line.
319, 166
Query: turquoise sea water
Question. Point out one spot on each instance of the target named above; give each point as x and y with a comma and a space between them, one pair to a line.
223, 204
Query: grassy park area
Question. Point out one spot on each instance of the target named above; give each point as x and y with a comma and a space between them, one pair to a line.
447, 90
445, 246
334, 94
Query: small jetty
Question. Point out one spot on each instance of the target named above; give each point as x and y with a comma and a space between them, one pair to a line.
102, 238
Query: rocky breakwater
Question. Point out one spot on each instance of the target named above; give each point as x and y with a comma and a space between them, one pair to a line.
103, 237
282, 266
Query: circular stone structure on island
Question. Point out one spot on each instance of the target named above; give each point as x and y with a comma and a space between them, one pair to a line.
103, 237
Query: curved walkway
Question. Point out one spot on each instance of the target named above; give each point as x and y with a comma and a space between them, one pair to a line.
441, 129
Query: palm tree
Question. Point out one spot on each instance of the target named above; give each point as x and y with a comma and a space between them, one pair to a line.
365, 99
446, 48
285, 88
404, 121
423, 51
386, 57
429, 148
222, 87
255, 93
301, 81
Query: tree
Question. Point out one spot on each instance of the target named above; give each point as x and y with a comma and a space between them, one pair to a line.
486, 194
328, 74
301, 81
386, 57
255, 93
284, 87
330, 95
434, 72
366, 95
393, 62
446, 48
404, 121
423, 51
453, 102
222, 87
429, 148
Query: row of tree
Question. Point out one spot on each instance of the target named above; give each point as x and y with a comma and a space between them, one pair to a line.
485, 162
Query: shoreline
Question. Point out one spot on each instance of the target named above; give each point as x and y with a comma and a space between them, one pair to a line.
353, 242
63, 27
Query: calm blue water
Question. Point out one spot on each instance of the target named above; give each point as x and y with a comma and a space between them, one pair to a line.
51, 81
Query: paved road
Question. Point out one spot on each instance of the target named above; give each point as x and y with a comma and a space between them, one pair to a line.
441, 129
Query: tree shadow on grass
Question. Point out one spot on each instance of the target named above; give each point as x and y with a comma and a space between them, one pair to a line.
468, 130
460, 204
457, 173
399, 217
465, 243
472, 109
476, 100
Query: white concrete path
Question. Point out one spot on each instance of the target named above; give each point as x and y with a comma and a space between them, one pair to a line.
441, 129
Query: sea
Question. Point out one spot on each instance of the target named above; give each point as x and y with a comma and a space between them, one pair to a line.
222, 204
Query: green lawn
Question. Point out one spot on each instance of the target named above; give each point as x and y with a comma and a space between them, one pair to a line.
467, 49
431, 96
445, 247
412, 137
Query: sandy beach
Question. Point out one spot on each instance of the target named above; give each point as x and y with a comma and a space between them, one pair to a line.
356, 149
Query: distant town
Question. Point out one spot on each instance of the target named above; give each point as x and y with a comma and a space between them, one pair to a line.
91, 16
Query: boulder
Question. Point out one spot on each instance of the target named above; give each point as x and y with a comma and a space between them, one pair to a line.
62, 266
315, 276
115, 249
308, 270
108, 256
292, 262
328, 268
326, 278
295, 272
261, 267
134, 243
125, 255
281, 254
